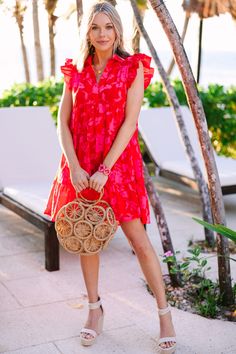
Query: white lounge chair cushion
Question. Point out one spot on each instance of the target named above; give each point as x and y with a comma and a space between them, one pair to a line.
29, 155
29, 146
33, 196
160, 132
227, 178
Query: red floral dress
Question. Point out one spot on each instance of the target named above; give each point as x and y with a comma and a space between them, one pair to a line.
98, 113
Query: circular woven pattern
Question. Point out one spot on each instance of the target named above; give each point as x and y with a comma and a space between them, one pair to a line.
64, 227
74, 211
83, 229
72, 244
85, 226
102, 231
110, 216
95, 214
92, 245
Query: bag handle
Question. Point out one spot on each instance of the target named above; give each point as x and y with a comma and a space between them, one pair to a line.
89, 201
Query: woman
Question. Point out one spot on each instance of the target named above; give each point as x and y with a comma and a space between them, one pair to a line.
97, 129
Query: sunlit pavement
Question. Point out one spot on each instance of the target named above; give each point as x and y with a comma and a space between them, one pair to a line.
42, 312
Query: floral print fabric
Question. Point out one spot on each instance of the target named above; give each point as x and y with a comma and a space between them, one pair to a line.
98, 113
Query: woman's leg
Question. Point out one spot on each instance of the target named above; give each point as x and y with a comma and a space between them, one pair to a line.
90, 269
150, 265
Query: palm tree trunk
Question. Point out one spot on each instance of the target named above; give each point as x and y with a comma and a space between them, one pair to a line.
18, 13
186, 22
51, 26
171, 95
37, 44
207, 151
161, 223
24, 54
79, 6
50, 6
199, 54
136, 37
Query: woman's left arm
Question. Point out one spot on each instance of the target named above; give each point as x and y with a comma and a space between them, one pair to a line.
133, 105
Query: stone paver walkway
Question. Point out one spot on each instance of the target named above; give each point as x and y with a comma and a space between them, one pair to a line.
42, 312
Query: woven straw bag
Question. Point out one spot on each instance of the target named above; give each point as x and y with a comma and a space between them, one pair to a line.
85, 226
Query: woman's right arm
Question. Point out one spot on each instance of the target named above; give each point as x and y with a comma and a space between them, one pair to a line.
79, 177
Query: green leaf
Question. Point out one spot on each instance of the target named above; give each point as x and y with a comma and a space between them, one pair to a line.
221, 229
184, 265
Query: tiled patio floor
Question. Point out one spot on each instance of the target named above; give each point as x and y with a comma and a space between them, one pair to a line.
40, 312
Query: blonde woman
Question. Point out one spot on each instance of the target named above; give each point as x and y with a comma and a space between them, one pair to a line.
98, 134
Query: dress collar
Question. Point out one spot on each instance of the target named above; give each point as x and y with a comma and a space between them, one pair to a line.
88, 60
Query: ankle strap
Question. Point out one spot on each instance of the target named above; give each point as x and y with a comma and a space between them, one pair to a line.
165, 310
95, 305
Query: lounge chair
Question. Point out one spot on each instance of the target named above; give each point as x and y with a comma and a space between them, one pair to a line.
29, 157
159, 130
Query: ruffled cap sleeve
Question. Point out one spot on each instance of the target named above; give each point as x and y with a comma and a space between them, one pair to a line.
68, 69
133, 64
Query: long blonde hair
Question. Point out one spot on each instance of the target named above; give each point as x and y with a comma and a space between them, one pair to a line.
85, 48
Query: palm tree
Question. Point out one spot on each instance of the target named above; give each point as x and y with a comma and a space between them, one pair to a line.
173, 100
161, 223
79, 7
209, 8
18, 11
142, 7
37, 44
196, 107
113, 2
184, 31
206, 9
50, 6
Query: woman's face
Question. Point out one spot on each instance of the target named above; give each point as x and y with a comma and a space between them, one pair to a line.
102, 33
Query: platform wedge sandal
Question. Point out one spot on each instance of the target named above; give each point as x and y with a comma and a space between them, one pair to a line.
171, 349
93, 334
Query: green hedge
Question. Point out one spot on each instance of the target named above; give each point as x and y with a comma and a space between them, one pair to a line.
219, 104
46, 93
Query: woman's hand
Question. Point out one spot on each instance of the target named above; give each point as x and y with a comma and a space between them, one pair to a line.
97, 181
79, 178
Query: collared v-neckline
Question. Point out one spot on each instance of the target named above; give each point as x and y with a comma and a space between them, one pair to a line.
109, 61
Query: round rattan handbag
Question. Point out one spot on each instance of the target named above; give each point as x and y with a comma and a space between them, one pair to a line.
85, 226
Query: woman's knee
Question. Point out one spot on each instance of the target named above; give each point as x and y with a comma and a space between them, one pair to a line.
142, 247
137, 236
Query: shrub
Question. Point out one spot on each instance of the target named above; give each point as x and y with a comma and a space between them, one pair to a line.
45, 93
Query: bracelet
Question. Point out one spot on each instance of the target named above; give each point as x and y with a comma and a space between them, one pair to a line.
104, 169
